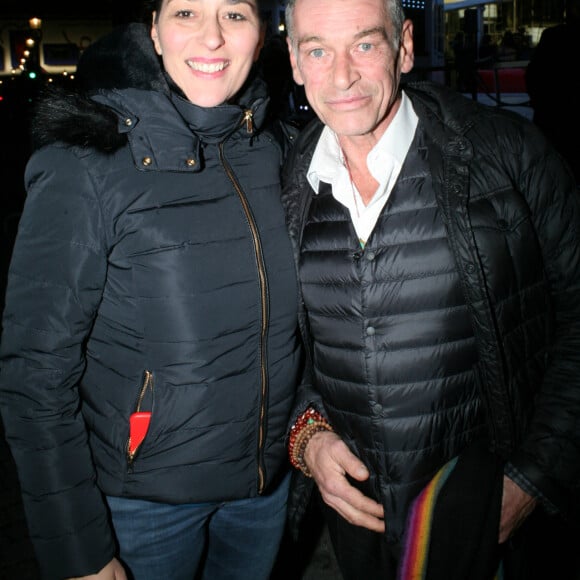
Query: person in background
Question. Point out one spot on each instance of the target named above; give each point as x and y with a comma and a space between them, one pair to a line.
464, 59
487, 52
554, 87
437, 243
150, 349
508, 49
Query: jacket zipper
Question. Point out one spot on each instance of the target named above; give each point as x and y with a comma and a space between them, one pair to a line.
147, 385
264, 304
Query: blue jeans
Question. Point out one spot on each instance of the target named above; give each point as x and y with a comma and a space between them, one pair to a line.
212, 541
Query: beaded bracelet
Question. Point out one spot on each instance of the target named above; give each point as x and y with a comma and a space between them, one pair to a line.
305, 427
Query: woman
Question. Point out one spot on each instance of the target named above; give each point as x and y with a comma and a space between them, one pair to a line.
150, 354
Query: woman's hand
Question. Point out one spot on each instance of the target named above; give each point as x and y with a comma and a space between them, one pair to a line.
112, 571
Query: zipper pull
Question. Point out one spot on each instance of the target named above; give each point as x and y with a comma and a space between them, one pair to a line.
138, 427
139, 420
249, 120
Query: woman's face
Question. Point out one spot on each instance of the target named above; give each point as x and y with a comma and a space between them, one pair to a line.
208, 46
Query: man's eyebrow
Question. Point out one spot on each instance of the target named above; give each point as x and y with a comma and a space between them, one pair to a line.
362, 34
307, 39
370, 31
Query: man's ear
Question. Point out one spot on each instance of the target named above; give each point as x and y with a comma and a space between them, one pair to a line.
293, 62
406, 51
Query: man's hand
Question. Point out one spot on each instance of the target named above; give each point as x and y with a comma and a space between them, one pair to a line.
516, 506
329, 459
112, 571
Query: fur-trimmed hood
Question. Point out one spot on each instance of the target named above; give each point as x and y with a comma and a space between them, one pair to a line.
124, 58
100, 112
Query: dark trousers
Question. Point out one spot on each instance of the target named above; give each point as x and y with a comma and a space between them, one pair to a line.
361, 553
545, 548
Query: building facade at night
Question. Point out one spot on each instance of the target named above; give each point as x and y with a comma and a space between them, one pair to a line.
56, 44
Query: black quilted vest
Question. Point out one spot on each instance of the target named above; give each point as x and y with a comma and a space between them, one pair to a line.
393, 346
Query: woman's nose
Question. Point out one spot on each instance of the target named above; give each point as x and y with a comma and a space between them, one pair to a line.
212, 34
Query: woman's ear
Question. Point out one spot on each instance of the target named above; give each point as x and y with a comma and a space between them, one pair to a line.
155, 34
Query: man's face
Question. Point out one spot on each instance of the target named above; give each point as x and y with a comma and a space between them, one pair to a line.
342, 53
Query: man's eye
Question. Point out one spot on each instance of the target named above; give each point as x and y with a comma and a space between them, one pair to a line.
317, 53
365, 46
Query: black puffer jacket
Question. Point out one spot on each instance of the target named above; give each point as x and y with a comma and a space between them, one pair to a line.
152, 271
511, 215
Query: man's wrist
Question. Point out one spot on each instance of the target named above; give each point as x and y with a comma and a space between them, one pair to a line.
526, 485
306, 426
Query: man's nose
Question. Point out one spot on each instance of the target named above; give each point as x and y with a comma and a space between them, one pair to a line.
345, 72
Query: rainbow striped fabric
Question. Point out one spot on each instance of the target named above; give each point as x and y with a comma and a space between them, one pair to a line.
414, 564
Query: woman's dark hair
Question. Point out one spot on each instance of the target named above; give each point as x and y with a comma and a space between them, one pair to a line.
150, 6
147, 7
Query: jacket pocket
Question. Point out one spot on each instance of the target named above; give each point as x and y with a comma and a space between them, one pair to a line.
140, 419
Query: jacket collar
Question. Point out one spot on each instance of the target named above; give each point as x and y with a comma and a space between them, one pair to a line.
164, 132
214, 124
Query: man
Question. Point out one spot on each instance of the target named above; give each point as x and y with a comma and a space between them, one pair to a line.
439, 260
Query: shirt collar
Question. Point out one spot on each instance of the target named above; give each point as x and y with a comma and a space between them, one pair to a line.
327, 162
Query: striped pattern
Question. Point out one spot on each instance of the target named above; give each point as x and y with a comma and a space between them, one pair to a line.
418, 535
414, 565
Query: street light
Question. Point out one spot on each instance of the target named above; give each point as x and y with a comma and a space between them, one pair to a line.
35, 23
33, 43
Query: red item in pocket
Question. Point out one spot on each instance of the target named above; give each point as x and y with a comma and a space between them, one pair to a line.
138, 427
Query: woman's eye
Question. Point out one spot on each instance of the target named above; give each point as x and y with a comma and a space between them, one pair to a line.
184, 13
235, 16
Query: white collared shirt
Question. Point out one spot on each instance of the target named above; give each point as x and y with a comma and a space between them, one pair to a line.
384, 163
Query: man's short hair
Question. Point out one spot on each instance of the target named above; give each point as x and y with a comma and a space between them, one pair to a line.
393, 10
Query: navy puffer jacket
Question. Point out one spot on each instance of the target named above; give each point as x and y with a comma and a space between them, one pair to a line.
152, 272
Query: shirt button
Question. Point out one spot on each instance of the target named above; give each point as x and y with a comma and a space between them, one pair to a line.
370, 256
371, 331
147, 161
